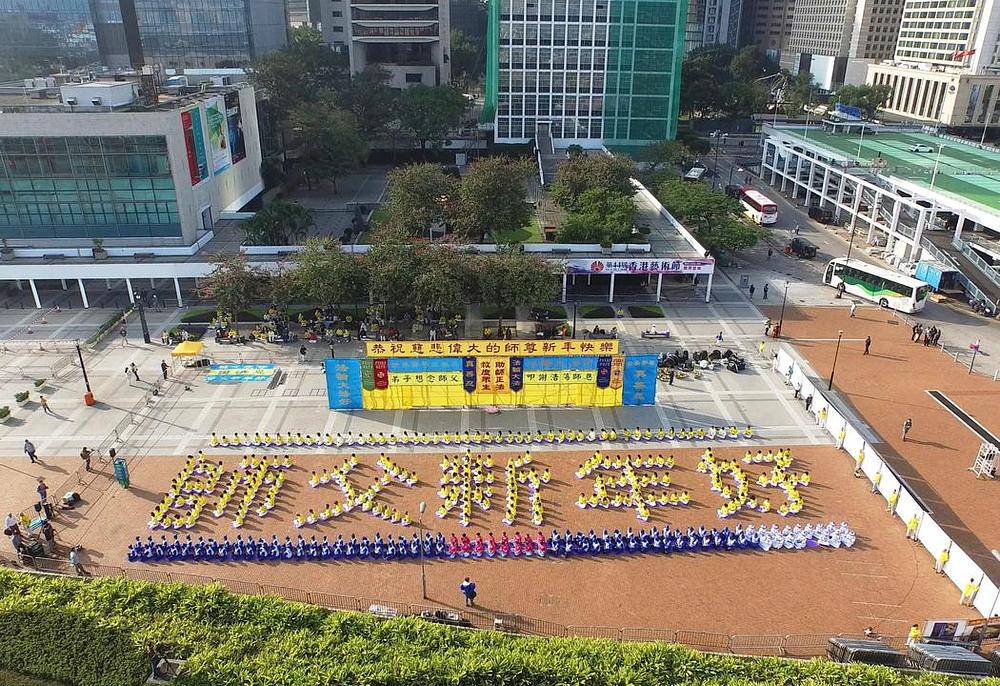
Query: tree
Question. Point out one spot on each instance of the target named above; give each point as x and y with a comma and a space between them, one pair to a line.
280, 223
467, 64
668, 153
868, 98
419, 196
325, 274
372, 100
798, 93
598, 216
328, 139
432, 112
714, 217
300, 71
445, 282
392, 265
576, 175
280, 286
512, 279
491, 197
234, 285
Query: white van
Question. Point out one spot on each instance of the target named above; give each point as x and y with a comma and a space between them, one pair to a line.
920, 147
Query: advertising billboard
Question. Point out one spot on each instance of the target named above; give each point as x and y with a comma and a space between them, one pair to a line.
234, 127
194, 144
218, 144
640, 266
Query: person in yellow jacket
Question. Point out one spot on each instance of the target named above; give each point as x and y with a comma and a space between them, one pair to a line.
914, 636
876, 480
942, 560
911, 528
893, 499
969, 593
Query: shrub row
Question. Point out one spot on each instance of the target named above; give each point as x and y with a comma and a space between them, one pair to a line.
96, 633
110, 322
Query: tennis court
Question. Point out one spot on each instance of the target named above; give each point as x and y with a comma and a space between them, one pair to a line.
964, 171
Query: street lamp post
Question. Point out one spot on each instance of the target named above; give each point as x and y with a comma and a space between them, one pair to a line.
781, 317
142, 316
850, 244
836, 354
423, 569
975, 349
861, 140
719, 137
574, 319
937, 160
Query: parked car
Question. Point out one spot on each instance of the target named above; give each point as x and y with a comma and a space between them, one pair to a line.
800, 247
821, 214
920, 147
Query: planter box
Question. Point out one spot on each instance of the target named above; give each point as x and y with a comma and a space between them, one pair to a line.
100, 254
4, 420
22, 403
7, 256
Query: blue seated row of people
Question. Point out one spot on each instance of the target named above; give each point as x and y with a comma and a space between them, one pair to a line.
653, 540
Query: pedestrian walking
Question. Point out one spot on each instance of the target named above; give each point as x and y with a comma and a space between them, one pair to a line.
766, 286
42, 490
868, 345
45, 405
135, 372
796, 229
74, 559
85, 455
760, 348
670, 378
752, 290
770, 252
969, 593
164, 368
302, 354
468, 589
809, 402
123, 332
29, 450
798, 390
937, 337
854, 309
942, 560
907, 425
911, 527
156, 303
767, 328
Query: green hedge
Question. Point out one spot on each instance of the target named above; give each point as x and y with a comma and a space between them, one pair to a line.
95, 633
108, 323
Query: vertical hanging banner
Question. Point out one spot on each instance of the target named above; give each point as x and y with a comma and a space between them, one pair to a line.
485, 373
218, 145
194, 144
500, 374
367, 375
617, 371
516, 374
234, 126
380, 367
469, 374
603, 371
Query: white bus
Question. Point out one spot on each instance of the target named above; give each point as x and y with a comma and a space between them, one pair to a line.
882, 286
757, 206
695, 174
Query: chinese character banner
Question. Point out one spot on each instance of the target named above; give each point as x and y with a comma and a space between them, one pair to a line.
412, 382
488, 348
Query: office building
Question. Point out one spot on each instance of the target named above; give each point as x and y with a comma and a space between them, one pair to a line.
41, 36
836, 40
770, 26
713, 22
589, 72
100, 164
946, 66
410, 39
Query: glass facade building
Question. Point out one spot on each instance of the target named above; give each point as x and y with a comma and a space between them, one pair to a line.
604, 71
86, 187
37, 36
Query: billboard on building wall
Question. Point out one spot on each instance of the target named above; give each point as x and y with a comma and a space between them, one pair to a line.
194, 144
589, 265
218, 143
234, 127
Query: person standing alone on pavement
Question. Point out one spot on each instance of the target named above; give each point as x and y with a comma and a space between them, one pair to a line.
868, 344
45, 405
752, 290
29, 450
766, 286
135, 372
907, 425
164, 368
770, 252
854, 309
468, 589
85, 455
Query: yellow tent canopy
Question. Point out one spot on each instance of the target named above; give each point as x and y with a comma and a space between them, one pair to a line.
188, 349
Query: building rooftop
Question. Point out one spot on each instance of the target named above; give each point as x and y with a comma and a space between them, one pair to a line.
966, 172
47, 100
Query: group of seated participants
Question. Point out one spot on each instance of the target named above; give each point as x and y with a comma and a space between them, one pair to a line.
322, 440
654, 540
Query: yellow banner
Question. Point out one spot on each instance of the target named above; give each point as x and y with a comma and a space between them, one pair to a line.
424, 378
481, 348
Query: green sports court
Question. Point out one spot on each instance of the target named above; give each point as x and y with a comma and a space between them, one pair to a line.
964, 171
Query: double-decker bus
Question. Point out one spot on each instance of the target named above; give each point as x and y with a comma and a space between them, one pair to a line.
757, 206
885, 287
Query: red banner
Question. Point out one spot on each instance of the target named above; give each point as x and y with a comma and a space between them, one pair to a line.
381, 368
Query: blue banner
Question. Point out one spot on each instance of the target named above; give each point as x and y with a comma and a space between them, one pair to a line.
343, 383
604, 371
236, 373
516, 381
469, 374
639, 382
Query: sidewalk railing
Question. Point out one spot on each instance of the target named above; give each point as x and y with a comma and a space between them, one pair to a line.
777, 645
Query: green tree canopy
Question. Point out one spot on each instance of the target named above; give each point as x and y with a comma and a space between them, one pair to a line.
467, 58
327, 137
280, 223
511, 278
446, 282
419, 195
718, 81
664, 154
325, 274
300, 71
715, 219
371, 99
869, 98
578, 174
491, 198
392, 266
234, 284
599, 216
431, 113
